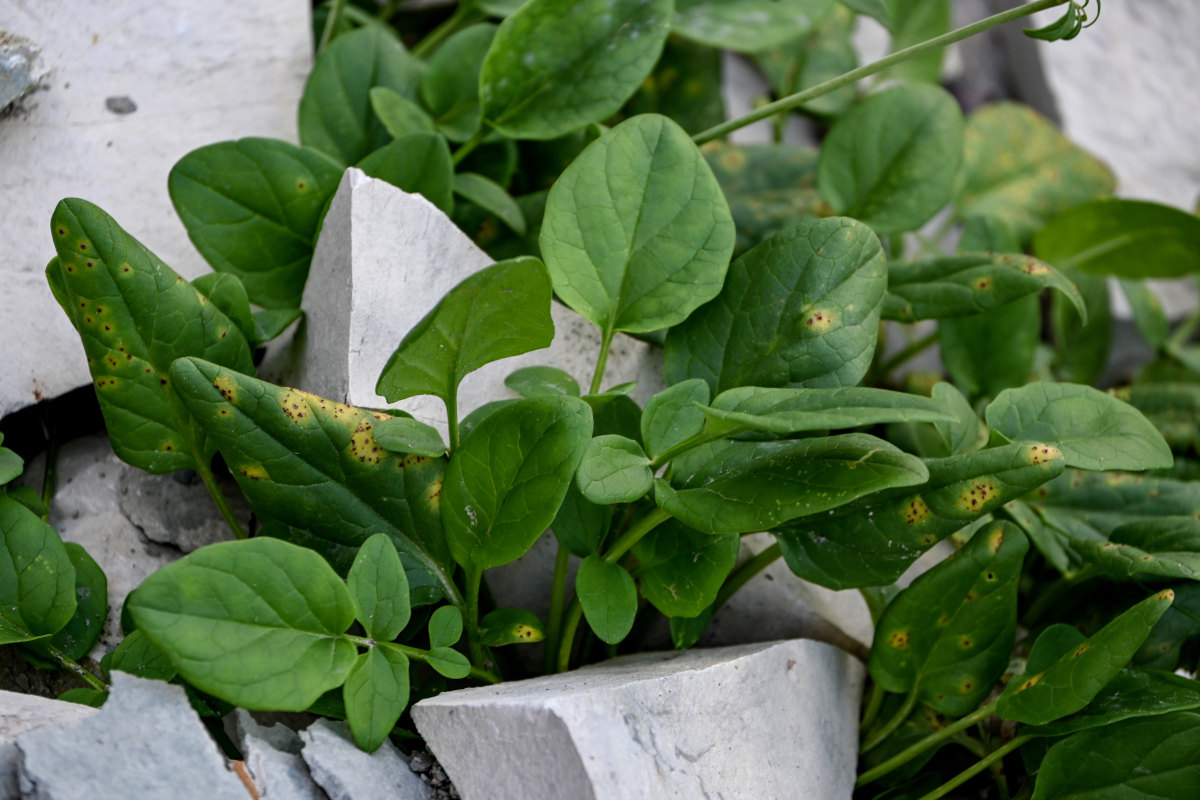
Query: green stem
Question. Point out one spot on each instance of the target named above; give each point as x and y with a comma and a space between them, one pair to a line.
463, 16
601, 361
873, 706
471, 616
77, 669
485, 676
558, 596
909, 753
854, 75
743, 574
570, 626
910, 702
479, 673
912, 349
469, 145
452, 419
631, 537
335, 12
979, 767
210, 483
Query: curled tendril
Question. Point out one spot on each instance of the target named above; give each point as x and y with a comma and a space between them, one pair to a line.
1095, 18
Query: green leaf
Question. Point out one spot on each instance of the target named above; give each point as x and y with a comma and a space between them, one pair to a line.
445, 627
580, 525
236, 617
491, 197
1094, 430
671, 417
1175, 631
637, 234
449, 663
542, 382
971, 357
227, 293
375, 695
1162, 547
136, 316
502, 310
873, 541
878, 9
787, 411
685, 86
11, 465
270, 323
1081, 348
1073, 680
1126, 238
1133, 693
84, 697
609, 598
914, 22
1139, 759
741, 487
681, 570
615, 412
450, 85
76, 638
499, 8
1018, 167
379, 589
37, 579
948, 636
686, 631
314, 474
557, 65
747, 25
826, 52
1173, 408
505, 482
335, 109
252, 208
418, 163
891, 161
1065, 27
505, 626
1148, 312
398, 114
405, 435
966, 432
802, 308
137, 656
962, 285
613, 470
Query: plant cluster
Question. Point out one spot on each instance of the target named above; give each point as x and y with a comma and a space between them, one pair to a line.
770, 276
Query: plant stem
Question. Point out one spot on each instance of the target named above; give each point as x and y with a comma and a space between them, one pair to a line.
631, 537
854, 75
601, 362
469, 145
910, 350
452, 419
910, 702
463, 16
471, 616
909, 753
570, 626
77, 669
558, 596
210, 483
485, 676
335, 12
873, 706
979, 767
743, 574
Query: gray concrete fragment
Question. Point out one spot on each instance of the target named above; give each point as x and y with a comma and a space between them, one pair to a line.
145, 742
272, 756
20, 67
751, 721
177, 509
347, 773
21, 713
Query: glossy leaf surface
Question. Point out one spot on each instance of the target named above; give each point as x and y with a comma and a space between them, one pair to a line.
613, 470
450, 83
580, 525
1162, 547
400, 115
445, 627
405, 435
681, 570
608, 596
375, 695
672, 417
1133, 693
491, 197
542, 382
418, 163
785, 411
379, 589
747, 25
37, 579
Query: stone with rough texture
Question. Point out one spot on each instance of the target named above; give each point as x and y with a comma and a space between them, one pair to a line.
347, 773
383, 260
145, 742
751, 721
20, 713
272, 757
20, 67
183, 65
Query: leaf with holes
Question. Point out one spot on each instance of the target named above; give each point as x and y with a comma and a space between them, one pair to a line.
375, 694
37, 579
379, 589
609, 598
681, 570
948, 636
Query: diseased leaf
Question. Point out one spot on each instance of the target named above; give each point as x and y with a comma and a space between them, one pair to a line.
891, 161
335, 109
800, 309
37, 579
315, 476
445, 627
671, 417
681, 570
1158, 548
613, 470
637, 234
375, 695
542, 382
379, 589
226, 292
741, 487
256, 623
1175, 631
502, 310
252, 208
747, 25
1133, 693
608, 596
398, 114
557, 65
135, 317
948, 636
1094, 430
506, 481
505, 626
450, 85
418, 163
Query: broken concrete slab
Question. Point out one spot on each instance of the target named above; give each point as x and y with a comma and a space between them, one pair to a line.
77, 135
21, 67
347, 773
750, 721
146, 741
384, 259
21, 713
272, 756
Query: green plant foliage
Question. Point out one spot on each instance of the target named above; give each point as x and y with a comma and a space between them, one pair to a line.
505, 626
613, 470
891, 161
542, 382
505, 483
405, 435
1148, 312
11, 464
948, 636
1172, 407
450, 83
37, 579
825, 53
491, 197
913, 22
877, 9
685, 86
418, 163
1082, 344
379, 589
398, 114
609, 598
681, 569
816, 287
335, 109
1133, 693
580, 525
445, 627
1149, 549
654, 245
137, 656
672, 416
375, 694
76, 638
228, 293
557, 65
747, 25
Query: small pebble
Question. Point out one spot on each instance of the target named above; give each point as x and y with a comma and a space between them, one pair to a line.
120, 105
420, 762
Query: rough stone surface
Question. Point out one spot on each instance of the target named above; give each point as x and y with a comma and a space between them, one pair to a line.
20, 67
750, 721
183, 66
145, 742
21, 713
384, 259
347, 773
272, 756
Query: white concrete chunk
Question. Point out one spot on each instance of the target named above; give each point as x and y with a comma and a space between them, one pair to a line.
347, 773
20, 713
130, 89
768, 720
272, 757
383, 261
